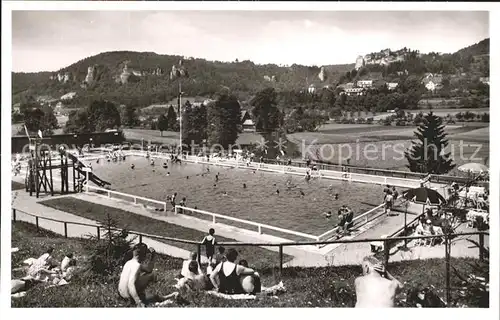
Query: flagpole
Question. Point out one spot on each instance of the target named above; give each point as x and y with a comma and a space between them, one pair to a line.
180, 116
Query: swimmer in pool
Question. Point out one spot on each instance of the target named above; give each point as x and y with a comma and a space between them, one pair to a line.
132, 166
336, 196
168, 174
215, 185
302, 194
244, 186
152, 162
224, 193
278, 192
165, 165
97, 161
328, 214
187, 177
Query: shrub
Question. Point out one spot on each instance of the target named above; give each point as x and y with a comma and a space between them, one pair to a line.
108, 256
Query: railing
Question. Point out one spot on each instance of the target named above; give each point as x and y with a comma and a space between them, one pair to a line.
358, 221
126, 196
386, 242
375, 171
260, 226
295, 170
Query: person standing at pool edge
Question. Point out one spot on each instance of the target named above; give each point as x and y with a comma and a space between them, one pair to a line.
209, 242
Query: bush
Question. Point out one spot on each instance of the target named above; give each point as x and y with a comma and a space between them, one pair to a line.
107, 257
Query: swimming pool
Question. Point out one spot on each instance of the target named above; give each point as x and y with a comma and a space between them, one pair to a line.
258, 202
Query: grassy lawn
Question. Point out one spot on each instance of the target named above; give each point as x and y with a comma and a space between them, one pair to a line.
306, 287
259, 257
17, 186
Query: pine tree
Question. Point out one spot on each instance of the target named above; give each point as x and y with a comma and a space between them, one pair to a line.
427, 154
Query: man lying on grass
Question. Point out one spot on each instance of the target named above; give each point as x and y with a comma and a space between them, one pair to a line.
376, 288
137, 275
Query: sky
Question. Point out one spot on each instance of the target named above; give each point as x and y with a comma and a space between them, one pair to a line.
51, 40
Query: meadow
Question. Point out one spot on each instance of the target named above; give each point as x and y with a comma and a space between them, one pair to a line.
130, 221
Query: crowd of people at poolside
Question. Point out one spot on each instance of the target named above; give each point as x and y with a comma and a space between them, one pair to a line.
224, 275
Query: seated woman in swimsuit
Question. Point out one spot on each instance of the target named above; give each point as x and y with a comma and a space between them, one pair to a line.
230, 278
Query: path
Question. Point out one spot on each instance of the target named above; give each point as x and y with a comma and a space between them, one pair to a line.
24, 202
343, 254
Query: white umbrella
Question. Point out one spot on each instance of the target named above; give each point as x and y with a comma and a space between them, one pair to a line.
473, 168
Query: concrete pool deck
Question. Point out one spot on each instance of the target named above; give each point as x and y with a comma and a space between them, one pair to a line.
339, 254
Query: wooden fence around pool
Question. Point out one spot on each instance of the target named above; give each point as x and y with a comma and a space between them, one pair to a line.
358, 220
388, 242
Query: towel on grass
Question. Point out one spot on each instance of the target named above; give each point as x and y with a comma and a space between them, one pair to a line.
269, 291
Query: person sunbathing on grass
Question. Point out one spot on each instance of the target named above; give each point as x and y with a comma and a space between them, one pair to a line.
136, 276
185, 264
376, 288
229, 278
195, 279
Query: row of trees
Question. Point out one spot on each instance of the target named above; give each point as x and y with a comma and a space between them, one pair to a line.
215, 123
36, 117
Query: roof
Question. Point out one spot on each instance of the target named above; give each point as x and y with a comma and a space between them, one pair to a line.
248, 122
244, 113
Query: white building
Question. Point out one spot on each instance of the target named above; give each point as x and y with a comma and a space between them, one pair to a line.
354, 91
364, 83
311, 89
391, 85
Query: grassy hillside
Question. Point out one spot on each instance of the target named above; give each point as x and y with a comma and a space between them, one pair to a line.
306, 287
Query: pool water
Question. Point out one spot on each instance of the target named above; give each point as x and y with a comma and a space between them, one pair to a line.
258, 202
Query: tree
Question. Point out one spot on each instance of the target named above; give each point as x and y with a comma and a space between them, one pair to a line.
162, 124
78, 122
223, 118
102, 115
265, 110
194, 123
37, 117
427, 154
172, 123
129, 116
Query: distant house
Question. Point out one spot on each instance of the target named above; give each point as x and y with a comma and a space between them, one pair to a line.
247, 122
391, 85
364, 83
68, 96
432, 82
311, 89
485, 80
353, 91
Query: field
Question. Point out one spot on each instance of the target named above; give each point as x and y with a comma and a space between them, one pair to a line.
258, 202
335, 140
306, 287
130, 221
